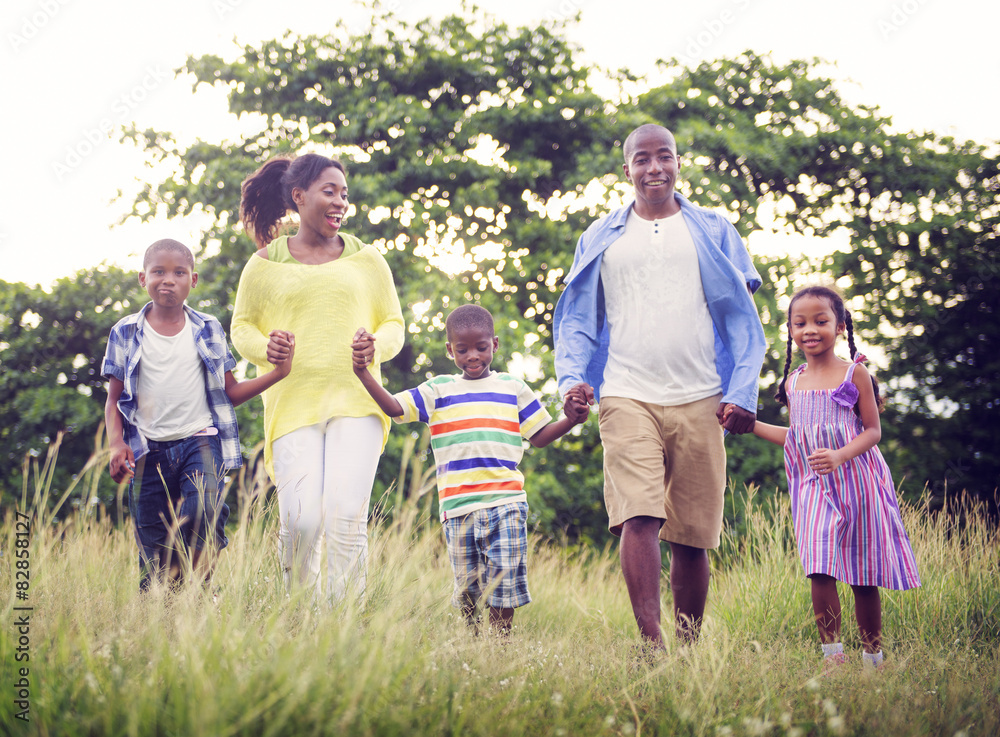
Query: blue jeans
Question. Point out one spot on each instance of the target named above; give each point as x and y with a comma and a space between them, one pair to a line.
176, 502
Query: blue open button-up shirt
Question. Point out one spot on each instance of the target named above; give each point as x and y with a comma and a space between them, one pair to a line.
728, 276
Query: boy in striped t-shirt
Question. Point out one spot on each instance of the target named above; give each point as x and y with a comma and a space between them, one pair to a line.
477, 421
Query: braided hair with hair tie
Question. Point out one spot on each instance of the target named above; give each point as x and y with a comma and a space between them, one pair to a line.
843, 317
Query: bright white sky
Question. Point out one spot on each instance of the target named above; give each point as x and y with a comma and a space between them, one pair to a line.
69, 68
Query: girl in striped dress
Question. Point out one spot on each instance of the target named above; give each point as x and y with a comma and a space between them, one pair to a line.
844, 509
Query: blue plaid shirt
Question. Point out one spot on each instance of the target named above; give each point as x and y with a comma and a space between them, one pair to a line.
122, 361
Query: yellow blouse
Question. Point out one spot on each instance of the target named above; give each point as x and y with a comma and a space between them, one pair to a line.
323, 305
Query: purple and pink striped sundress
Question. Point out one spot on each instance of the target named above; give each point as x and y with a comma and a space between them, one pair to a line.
847, 522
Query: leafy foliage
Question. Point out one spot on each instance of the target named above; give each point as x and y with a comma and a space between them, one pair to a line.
456, 135
50, 367
477, 153
921, 213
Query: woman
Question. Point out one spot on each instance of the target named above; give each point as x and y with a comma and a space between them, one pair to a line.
323, 432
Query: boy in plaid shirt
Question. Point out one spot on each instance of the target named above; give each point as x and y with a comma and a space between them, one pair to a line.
170, 418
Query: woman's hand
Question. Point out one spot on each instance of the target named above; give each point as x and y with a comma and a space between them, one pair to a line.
280, 350
280, 346
362, 350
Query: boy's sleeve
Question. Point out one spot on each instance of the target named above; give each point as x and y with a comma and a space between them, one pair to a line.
228, 361
530, 412
414, 403
212, 339
113, 365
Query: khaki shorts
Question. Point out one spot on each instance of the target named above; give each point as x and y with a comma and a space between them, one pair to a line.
665, 462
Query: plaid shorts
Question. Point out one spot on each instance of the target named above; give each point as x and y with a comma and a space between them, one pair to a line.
488, 549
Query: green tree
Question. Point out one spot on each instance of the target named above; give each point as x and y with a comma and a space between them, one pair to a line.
476, 153
455, 134
922, 213
50, 371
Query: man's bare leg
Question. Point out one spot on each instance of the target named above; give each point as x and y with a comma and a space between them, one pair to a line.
689, 574
642, 567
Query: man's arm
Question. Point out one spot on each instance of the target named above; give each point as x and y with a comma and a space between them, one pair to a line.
735, 250
743, 336
575, 330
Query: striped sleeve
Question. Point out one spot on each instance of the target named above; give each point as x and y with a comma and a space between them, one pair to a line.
415, 403
530, 412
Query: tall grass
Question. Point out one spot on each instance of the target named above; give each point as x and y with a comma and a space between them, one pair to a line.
105, 660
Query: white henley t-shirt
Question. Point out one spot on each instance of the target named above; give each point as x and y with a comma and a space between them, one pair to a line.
662, 340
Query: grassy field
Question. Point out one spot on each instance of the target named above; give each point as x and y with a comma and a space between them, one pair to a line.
103, 660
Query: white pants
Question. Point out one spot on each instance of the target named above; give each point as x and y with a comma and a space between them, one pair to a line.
324, 474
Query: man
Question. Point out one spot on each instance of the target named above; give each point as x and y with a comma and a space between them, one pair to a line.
657, 322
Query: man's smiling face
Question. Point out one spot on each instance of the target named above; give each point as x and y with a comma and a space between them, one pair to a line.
651, 166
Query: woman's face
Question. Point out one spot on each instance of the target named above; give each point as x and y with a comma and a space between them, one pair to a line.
323, 205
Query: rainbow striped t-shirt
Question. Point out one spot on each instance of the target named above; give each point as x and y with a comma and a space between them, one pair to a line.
476, 430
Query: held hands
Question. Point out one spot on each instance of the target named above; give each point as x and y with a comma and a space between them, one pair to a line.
824, 461
122, 463
577, 402
575, 409
362, 350
280, 350
735, 419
